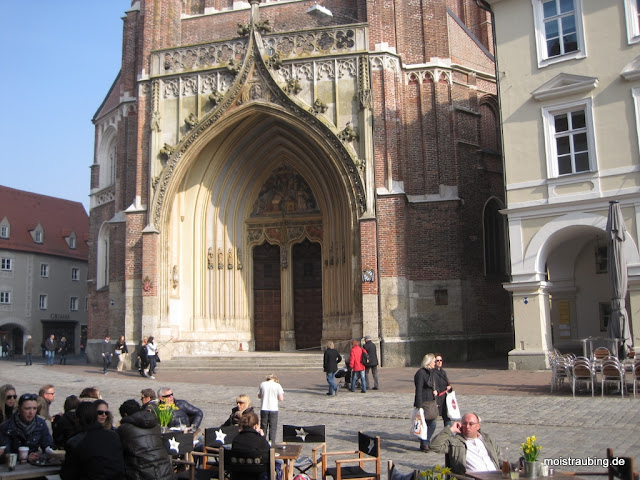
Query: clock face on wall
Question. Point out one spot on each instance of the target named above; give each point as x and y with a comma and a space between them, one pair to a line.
368, 275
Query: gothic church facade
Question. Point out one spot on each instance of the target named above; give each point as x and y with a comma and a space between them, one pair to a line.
272, 175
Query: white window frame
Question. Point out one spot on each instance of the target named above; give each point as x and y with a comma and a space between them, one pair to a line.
541, 38
632, 16
635, 94
43, 301
548, 115
75, 274
5, 297
37, 237
4, 231
73, 304
44, 270
6, 264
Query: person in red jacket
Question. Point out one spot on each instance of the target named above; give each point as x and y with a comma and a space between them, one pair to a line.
357, 366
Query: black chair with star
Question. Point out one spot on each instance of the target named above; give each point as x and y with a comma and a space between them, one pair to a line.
247, 466
369, 452
214, 439
309, 435
179, 446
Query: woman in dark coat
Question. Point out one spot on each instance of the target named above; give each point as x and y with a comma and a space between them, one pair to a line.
243, 405
65, 426
425, 391
144, 454
443, 386
251, 439
95, 453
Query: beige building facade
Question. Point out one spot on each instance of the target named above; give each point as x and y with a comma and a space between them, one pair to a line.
569, 87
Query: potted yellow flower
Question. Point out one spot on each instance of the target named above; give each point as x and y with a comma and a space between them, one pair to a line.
164, 413
435, 473
530, 450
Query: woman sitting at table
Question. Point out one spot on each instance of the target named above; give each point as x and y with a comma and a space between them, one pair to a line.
243, 405
251, 439
95, 452
105, 417
8, 401
64, 426
25, 429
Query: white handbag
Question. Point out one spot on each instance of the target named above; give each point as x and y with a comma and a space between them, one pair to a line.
453, 409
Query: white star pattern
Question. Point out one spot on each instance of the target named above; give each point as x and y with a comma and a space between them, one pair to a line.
220, 436
301, 433
371, 445
174, 445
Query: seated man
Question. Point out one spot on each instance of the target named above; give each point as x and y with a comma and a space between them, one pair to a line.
148, 398
469, 449
187, 415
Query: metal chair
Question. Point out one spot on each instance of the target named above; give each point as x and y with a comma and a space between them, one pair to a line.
560, 366
636, 375
601, 353
310, 434
612, 371
582, 370
369, 451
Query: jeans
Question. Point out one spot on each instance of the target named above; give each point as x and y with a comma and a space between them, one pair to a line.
363, 380
106, 361
374, 373
152, 364
269, 424
51, 354
331, 380
28, 359
431, 428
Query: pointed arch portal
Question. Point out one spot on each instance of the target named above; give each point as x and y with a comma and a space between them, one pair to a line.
261, 187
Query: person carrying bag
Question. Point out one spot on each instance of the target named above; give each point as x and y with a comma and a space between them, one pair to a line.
425, 399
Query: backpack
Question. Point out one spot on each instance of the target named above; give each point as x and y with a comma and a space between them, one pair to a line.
365, 358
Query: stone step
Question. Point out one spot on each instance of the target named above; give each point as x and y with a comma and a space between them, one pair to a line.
255, 361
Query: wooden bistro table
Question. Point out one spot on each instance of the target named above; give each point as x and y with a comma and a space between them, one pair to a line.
497, 475
288, 454
26, 470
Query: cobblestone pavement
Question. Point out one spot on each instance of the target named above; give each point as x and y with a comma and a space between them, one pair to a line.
512, 405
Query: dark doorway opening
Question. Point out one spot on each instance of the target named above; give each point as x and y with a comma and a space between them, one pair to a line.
307, 294
266, 297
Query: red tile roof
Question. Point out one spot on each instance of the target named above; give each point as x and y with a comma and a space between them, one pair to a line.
58, 217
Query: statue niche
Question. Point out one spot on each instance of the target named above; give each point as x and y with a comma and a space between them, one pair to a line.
284, 192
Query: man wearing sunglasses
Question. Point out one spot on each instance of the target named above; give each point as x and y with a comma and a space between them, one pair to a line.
469, 449
186, 416
25, 429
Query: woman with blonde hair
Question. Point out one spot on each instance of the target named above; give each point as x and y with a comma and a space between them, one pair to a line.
243, 406
8, 401
425, 393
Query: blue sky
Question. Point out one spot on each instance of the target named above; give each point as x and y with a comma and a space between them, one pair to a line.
59, 59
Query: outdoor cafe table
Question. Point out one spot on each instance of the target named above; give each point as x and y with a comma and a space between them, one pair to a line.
26, 470
497, 475
288, 454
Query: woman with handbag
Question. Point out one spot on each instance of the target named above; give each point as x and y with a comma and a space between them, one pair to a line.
443, 386
121, 352
425, 397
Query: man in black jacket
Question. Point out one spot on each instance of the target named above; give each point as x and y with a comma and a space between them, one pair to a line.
187, 415
330, 365
144, 454
372, 365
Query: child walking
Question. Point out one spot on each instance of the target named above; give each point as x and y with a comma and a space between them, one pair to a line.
270, 392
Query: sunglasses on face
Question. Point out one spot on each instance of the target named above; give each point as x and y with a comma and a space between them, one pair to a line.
438, 359
9, 397
240, 403
167, 395
103, 412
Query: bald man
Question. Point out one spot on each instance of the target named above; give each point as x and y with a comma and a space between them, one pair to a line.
469, 449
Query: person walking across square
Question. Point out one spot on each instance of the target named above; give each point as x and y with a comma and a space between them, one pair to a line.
357, 367
107, 353
372, 365
330, 365
270, 392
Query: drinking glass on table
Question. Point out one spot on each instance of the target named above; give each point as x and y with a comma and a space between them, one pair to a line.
514, 470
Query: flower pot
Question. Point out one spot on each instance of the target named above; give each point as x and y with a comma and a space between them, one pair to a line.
164, 429
531, 469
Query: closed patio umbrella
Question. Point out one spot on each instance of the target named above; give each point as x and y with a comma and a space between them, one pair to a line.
617, 266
